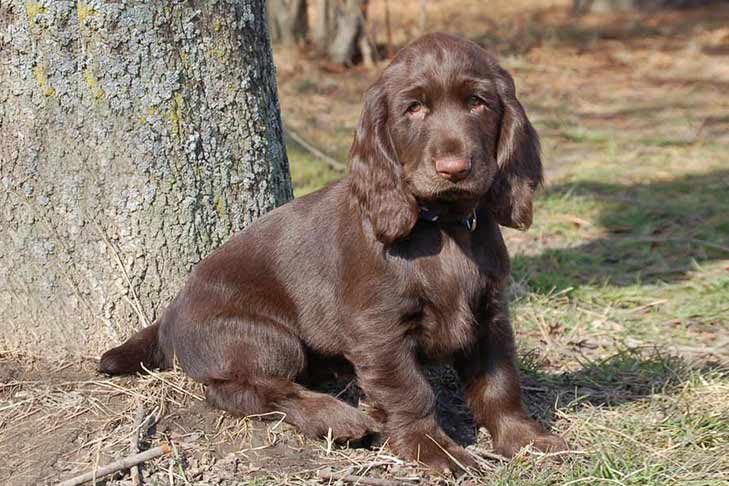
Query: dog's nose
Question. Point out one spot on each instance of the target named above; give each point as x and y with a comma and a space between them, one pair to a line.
453, 169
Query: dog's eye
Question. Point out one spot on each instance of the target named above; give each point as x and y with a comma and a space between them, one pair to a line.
417, 109
475, 103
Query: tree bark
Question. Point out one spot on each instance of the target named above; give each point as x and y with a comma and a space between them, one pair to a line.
288, 21
135, 137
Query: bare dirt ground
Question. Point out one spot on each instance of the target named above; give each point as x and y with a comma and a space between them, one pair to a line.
620, 290
61, 419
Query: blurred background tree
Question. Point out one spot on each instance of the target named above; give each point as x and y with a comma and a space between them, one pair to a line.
340, 29
288, 21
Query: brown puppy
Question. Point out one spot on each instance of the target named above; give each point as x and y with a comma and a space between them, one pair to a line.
400, 263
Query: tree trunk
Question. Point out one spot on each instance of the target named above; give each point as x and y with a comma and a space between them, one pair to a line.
135, 137
423, 18
325, 26
350, 33
288, 21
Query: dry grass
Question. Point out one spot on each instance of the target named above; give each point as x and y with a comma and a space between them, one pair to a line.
619, 290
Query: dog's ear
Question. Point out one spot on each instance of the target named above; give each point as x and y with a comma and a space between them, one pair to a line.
378, 186
520, 166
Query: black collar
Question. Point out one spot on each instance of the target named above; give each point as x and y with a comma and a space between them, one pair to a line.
470, 221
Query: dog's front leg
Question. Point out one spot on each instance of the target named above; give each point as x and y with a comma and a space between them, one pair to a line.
389, 373
493, 389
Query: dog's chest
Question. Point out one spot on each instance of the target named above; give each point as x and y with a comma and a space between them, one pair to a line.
450, 287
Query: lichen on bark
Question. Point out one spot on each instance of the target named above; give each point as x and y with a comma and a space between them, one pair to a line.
129, 149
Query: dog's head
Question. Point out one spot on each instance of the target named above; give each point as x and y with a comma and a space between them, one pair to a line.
442, 125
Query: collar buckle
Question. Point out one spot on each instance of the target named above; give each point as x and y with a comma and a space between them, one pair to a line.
470, 221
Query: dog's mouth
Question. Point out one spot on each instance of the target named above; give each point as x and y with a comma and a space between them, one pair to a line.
449, 191
459, 191
432, 188
457, 194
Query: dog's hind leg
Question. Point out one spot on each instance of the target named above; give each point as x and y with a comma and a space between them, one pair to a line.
313, 413
250, 369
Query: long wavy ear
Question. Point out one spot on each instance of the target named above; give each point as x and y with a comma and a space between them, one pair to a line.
520, 166
378, 185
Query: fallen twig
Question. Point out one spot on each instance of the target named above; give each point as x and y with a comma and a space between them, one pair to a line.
489, 455
134, 445
366, 480
333, 163
119, 465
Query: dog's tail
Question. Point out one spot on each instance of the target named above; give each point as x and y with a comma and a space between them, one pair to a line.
141, 349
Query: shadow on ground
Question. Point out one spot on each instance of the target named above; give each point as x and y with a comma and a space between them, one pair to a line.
627, 376
653, 232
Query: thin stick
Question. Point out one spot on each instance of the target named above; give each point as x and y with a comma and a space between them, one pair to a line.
366, 480
134, 444
489, 455
119, 465
333, 163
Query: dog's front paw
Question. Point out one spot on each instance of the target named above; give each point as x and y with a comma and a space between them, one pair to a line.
435, 449
327, 417
352, 430
522, 432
